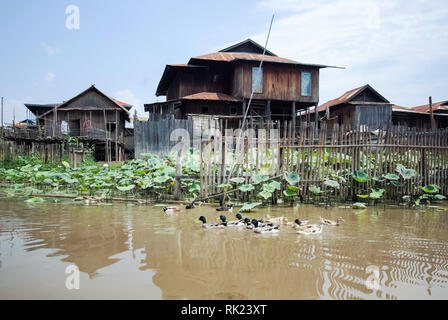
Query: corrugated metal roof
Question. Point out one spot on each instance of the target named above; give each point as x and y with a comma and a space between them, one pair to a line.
214, 96
342, 99
184, 65
441, 105
233, 56
347, 97
123, 104
38, 105
396, 108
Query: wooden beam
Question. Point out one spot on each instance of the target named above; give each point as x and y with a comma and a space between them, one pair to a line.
316, 122
54, 122
294, 114
116, 135
268, 110
106, 145
431, 112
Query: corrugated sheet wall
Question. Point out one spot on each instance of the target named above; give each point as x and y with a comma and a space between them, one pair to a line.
154, 137
373, 116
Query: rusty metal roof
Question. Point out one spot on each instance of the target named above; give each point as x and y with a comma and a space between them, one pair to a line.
123, 104
230, 56
396, 108
346, 98
235, 56
441, 105
214, 96
342, 99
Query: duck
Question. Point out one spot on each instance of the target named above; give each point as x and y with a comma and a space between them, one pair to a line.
169, 210
300, 224
234, 223
206, 225
229, 208
248, 223
190, 206
331, 222
312, 229
277, 220
92, 200
270, 228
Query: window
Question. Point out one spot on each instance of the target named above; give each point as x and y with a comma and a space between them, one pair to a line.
257, 80
305, 90
233, 110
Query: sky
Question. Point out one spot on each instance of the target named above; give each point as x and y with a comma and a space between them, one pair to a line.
400, 47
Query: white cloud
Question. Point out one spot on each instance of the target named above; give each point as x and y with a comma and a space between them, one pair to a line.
389, 44
51, 51
128, 96
49, 77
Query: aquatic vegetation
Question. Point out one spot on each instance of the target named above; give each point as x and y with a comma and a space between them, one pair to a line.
292, 178
432, 188
35, 200
315, 189
360, 176
406, 173
154, 178
359, 205
246, 187
259, 178
331, 183
376, 193
249, 206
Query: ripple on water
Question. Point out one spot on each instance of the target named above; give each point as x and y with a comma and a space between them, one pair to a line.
409, 249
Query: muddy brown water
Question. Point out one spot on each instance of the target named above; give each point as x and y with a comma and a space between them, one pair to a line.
128, 251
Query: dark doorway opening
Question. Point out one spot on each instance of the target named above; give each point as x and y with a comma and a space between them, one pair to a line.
75, 127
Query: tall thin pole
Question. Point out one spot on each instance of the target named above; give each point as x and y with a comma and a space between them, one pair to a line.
14, 120
2, 112
316, 122
433, 123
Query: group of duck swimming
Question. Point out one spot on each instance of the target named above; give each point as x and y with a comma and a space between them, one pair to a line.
270, 225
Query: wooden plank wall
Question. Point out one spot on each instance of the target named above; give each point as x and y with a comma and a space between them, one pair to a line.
280, 82
10, 150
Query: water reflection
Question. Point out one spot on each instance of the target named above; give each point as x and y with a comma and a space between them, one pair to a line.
409, 248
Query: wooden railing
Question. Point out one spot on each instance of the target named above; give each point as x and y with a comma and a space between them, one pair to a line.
335, 153
50, 133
